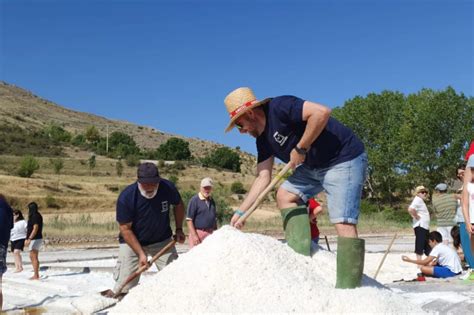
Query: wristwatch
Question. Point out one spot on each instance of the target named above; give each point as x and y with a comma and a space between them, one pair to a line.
301, 151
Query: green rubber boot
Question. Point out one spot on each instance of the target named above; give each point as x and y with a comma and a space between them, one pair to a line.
297, 229
350, 262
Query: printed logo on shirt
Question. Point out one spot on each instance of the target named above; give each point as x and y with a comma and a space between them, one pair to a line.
164, 206
279, 138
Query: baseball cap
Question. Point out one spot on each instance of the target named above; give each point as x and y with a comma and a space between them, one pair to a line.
470, 162
207, 182
441, 187
147, 173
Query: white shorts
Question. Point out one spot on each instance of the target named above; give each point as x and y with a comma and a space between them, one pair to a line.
445, 232
36, 244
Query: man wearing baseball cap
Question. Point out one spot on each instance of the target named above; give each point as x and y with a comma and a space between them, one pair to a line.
143, 217
444, 206
201, 214
325, 155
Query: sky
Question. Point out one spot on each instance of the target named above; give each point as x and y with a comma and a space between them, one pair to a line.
170, 64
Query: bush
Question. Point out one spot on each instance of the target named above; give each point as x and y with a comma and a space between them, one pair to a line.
121, 144
178, 165
57, 133
51, 202
224, 211
237, 188
174, 179
223, 158
368, 207
119, 167
17, 141
397, 215
58, 165
78, 140
132, 160
174, 149
92, 135
28, 166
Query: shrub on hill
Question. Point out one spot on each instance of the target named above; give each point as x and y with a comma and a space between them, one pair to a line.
174, 149
223, 158
57, 133
28, 166
237, 188
17, 141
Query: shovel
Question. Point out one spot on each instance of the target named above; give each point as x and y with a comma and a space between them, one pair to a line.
118, 295
264, 193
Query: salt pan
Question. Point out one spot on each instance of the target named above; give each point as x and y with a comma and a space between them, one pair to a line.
240, 272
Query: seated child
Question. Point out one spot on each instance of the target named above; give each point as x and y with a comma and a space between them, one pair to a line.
442, 262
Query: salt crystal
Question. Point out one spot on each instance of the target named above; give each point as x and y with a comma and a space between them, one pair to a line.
235, 272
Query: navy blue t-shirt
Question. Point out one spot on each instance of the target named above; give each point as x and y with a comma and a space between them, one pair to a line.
202, 212
150, 217
285, 127
6, 222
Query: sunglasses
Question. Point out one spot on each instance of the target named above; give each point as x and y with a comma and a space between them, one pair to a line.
423, 192
239, 126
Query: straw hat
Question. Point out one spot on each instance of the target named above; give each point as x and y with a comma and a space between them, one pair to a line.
238, 102
420, 189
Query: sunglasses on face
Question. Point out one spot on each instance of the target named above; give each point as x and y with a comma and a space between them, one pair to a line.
239, 126
423, 192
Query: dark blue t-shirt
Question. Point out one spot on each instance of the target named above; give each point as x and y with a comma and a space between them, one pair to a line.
285, 127
202, 212
150, 217
6, 222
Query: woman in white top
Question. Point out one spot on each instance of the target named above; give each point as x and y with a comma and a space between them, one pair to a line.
17, 238
468, 200
421, 221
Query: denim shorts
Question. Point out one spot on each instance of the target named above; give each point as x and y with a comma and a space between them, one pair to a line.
342, 183
3, 259
36, 244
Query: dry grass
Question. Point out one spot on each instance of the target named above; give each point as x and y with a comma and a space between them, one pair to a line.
84, 205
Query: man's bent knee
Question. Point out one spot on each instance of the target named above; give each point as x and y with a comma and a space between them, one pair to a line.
286, 199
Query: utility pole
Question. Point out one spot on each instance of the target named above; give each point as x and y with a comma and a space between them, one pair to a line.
107, 145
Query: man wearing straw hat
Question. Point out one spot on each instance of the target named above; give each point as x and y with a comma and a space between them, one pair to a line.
325, 155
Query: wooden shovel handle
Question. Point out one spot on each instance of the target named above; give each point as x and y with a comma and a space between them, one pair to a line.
145, 267
264, 193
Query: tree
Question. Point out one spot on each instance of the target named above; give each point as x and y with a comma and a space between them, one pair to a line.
237, 188
57, 133
223, 157
174, 149
78, 140
411, 140
92, 134
121, 144
28, 166
435, 130
91, 162
376, 121
58, 165
119, 167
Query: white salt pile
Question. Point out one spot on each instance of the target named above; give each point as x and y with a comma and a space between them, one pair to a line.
235, 272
